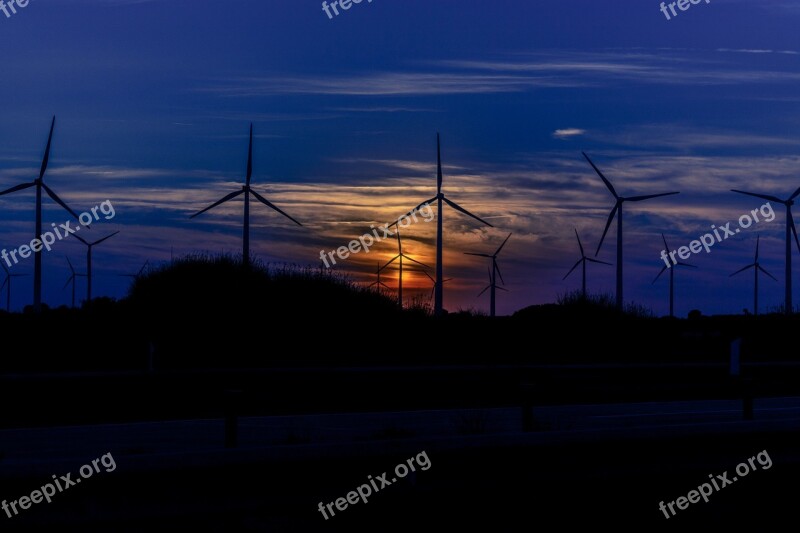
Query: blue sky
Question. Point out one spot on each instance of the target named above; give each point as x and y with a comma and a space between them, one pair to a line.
154, 100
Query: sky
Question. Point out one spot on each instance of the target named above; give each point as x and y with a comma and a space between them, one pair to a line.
154, 100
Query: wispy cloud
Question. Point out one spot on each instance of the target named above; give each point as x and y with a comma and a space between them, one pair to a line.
568, 132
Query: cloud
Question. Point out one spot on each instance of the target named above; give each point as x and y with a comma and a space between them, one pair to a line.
568, 132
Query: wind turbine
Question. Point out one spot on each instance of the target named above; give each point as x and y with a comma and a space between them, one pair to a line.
138, 274
433, 281
493, 274
671, 278
617, 210
71, 279
91, 245
756, 266
582, 261
40, 184
378, 284
492, 285
441, 198
400, 255
7, 282
247, 191
790, 229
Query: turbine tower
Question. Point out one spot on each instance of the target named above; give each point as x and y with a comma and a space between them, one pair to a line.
756, 266
91, 245
617, 210
399, 257
582, 261
790, 229
7, 282
40, 184
493, 275
671, 278
247, 191
440, 198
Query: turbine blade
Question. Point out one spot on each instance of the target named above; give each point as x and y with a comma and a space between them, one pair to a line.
763, 196
484, 290
46, 158
742, 270
663, 269
429, 276
415, 261
794, 229
105, 238
230, 196
572, 269
59, 201
459, 208
666, 246
598, 261
608, 224
649, 196
392, 260
602, 177
765, 272
579, 242
426, 202
18, 188
796, 193
250, 156
144, 266
268, 204
501, 246
72, 277
497, 267
70, 266
499, 288
80, 239
477, 255
758, 239
685, 265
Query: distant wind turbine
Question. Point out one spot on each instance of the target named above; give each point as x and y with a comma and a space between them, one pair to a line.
495, 271
756, 266
790, 229
671, 278
40, 184
441, 198
617, 210
582, 261
433, 281
247, 191
399, 257
378, 284
91, 245
7, 283
139, 273
72, 280
492, 285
